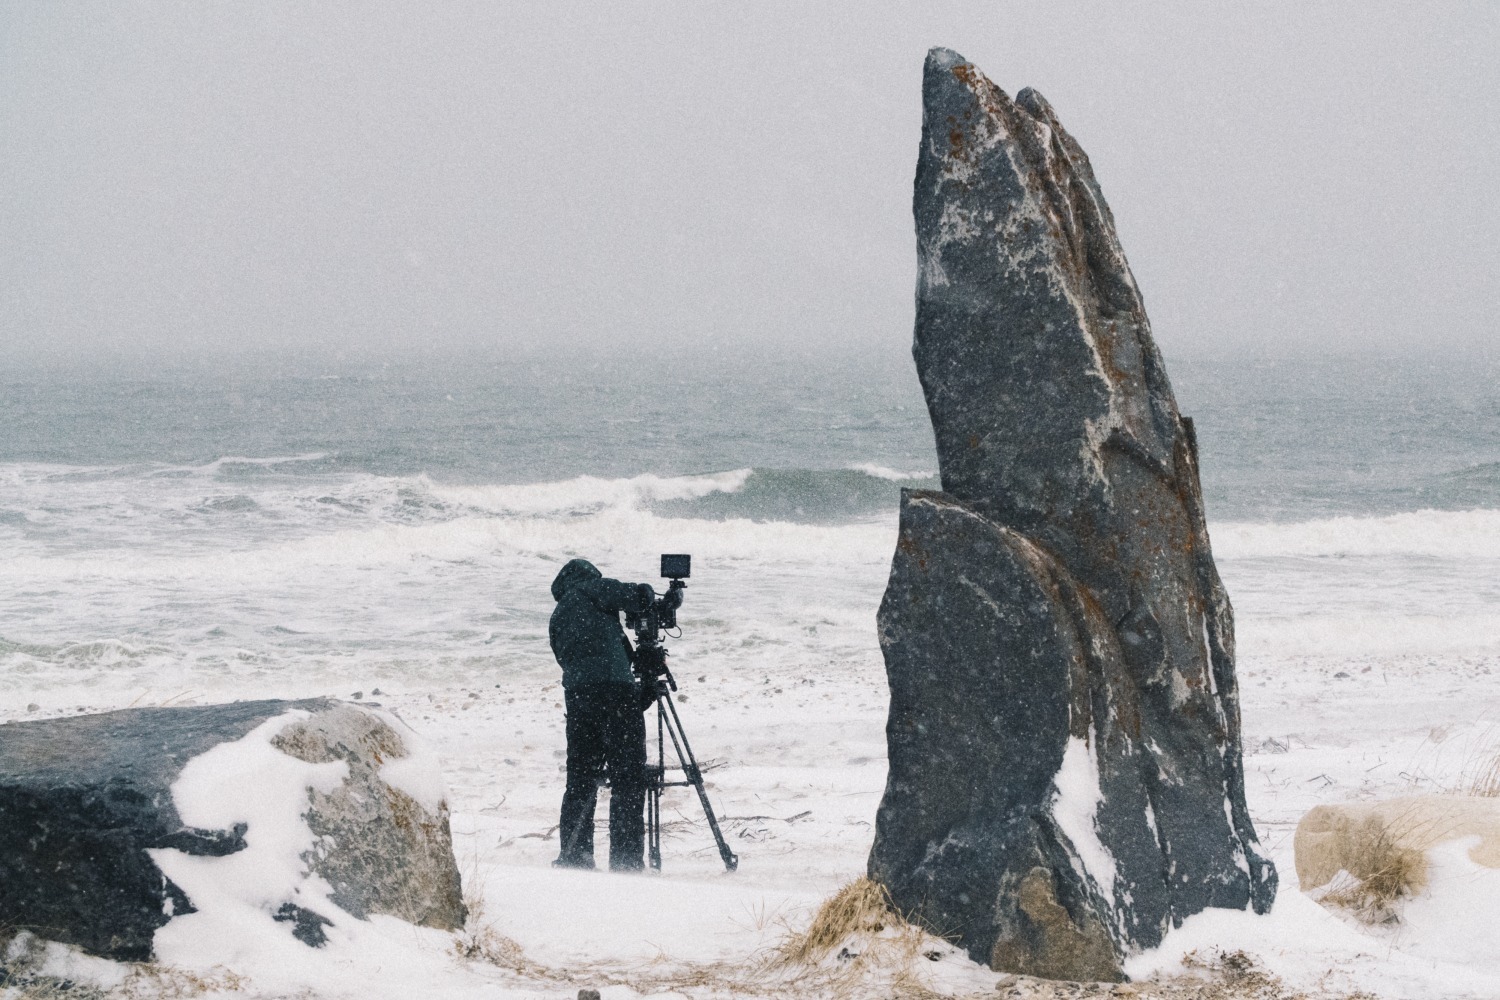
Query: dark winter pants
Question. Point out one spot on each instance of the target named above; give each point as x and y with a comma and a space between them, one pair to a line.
606, 735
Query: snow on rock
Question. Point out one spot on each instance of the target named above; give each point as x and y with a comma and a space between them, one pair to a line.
382, 835
1423, 870
1365, 838
328, 841
1075, 807
82, 801
200, 835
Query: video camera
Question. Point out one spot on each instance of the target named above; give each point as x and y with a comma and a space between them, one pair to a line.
658, 612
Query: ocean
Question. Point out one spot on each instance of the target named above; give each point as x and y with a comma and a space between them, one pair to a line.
268, 525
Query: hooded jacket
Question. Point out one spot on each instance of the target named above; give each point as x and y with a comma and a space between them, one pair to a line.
587, 638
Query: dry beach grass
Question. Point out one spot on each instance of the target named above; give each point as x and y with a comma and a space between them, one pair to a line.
1485, 779
21, 977
855, 936
854, 947
1378, 873
857, 947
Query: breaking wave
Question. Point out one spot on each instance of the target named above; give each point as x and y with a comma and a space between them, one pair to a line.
799, 496
1438, 534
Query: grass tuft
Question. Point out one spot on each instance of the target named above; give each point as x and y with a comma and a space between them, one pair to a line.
856, 945
861, 908
21, 975
1378, 872
1485, 782
478, 940
158, 982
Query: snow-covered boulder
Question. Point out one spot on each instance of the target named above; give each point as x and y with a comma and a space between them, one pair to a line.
1066, 781
1379, 853
1423, 872
120, 830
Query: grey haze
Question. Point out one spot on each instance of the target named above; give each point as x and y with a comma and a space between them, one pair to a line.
217, 175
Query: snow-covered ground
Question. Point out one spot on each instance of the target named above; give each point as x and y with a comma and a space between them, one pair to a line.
1351, 690
802, 772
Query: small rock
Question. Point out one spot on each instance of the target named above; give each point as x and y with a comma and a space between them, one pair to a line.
358, 695
376, 691
307, 926
33, 707
588, 995
1125, 990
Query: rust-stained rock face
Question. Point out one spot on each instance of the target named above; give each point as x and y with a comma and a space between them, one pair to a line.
1064, 729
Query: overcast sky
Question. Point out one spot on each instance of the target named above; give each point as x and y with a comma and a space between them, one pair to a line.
1284, 176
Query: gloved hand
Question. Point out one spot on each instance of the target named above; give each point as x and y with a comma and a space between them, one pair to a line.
647, 694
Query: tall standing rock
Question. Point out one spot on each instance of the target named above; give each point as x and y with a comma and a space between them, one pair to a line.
1066, 780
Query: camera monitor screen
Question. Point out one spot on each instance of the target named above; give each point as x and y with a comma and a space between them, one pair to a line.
677, 567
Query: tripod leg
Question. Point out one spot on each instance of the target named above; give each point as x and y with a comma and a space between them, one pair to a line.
695, 776
653, 829
653, 800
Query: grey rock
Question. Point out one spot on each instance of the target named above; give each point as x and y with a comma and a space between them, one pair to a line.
307, 926
1060, 592
966, 823
82, 800
365, 823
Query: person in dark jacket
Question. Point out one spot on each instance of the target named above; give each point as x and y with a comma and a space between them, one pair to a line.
606, 729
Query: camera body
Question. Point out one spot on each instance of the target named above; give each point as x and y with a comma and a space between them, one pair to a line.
657, 613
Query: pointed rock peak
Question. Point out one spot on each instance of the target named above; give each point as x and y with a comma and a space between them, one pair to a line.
949, 77
946, 71
955, 89
939, 58
1034, 104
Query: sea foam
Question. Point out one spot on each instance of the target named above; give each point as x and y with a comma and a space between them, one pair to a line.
1467, 534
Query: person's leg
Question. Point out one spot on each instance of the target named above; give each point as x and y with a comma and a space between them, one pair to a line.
585, 731
625, 749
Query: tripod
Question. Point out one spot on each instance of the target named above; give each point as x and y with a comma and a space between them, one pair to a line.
651, 660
